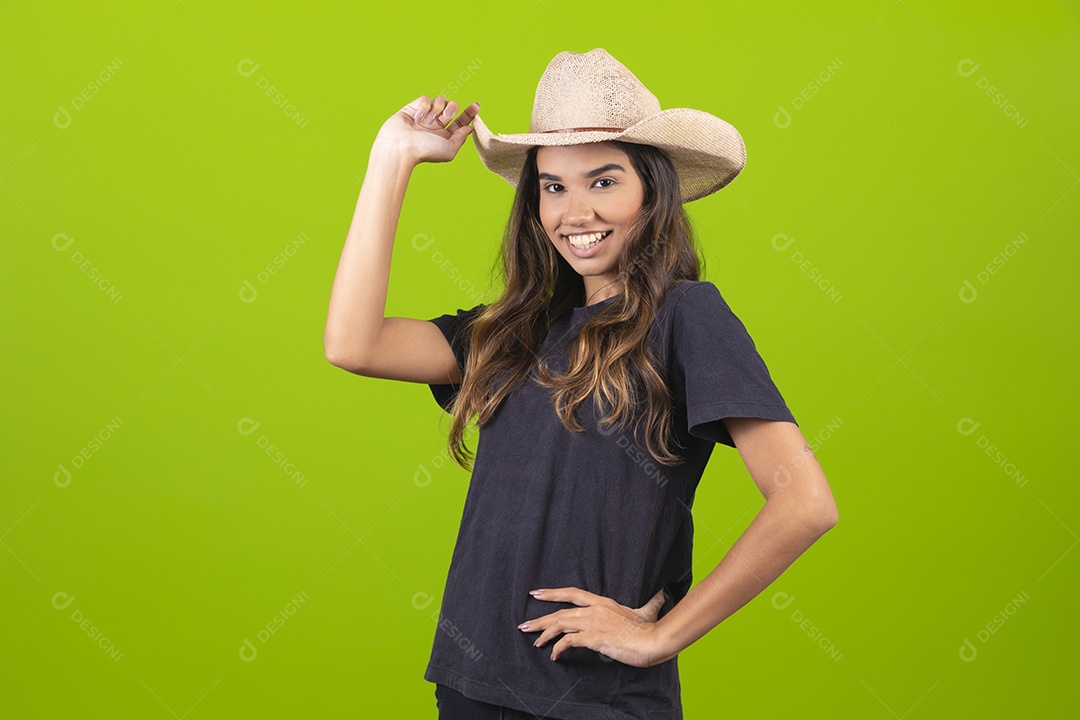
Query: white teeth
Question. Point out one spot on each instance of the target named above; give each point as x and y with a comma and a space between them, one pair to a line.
584, 242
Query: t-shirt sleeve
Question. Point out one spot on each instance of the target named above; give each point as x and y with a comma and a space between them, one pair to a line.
454, 327
716, 370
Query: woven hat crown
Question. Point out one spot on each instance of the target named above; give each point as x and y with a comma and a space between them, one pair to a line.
592, 90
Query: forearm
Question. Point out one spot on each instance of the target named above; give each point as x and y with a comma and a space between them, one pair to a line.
358, 297
783, 529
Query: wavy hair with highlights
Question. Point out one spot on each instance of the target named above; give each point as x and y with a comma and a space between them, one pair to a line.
609, 357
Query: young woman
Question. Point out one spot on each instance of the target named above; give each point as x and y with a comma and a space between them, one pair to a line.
601, 380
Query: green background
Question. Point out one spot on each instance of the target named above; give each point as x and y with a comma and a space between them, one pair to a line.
171, 233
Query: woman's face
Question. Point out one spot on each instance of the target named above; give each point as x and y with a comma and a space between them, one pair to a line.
585, 189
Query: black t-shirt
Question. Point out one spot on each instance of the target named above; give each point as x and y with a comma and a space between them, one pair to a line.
547, 508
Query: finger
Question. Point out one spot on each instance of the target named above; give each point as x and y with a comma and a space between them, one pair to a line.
459, 135
462, 123
568, 594
457, 123
465, 118
571, 620
560, 625
658, 600
447, 113
545, 622
542, 639
418, 108
654, 603
568, 641
651, 609
541, 622
433, 116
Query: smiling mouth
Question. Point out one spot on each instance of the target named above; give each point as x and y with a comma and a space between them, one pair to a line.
584, 242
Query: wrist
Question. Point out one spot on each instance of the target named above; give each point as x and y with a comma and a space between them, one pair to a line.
665, 646
390, 152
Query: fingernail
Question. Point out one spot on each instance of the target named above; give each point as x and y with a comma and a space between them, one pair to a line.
523, 626
535, 593
429, 117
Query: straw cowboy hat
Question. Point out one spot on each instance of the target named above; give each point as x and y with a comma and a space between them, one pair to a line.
591, 97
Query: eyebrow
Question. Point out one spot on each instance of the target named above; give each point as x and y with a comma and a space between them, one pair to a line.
589, 174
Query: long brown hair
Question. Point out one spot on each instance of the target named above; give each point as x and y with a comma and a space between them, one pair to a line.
610, 358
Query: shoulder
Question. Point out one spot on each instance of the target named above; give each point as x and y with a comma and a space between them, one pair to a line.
701, 317
681, 314
461, 317
456, 327
697, 290
687, 300
690, 298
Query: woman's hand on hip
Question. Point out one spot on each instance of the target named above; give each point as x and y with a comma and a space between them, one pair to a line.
629, 635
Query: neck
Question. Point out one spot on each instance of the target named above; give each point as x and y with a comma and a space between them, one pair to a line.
589, 296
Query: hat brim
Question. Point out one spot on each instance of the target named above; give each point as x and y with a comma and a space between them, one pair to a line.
707, 152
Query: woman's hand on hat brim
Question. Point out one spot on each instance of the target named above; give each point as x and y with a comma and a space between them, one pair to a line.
426, 130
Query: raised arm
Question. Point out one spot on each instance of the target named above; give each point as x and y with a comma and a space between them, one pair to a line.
358, 337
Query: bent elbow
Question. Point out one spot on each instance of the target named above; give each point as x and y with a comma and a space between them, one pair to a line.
827, 515
344, 360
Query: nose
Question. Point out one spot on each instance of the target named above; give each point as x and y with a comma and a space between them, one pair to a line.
578, 209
